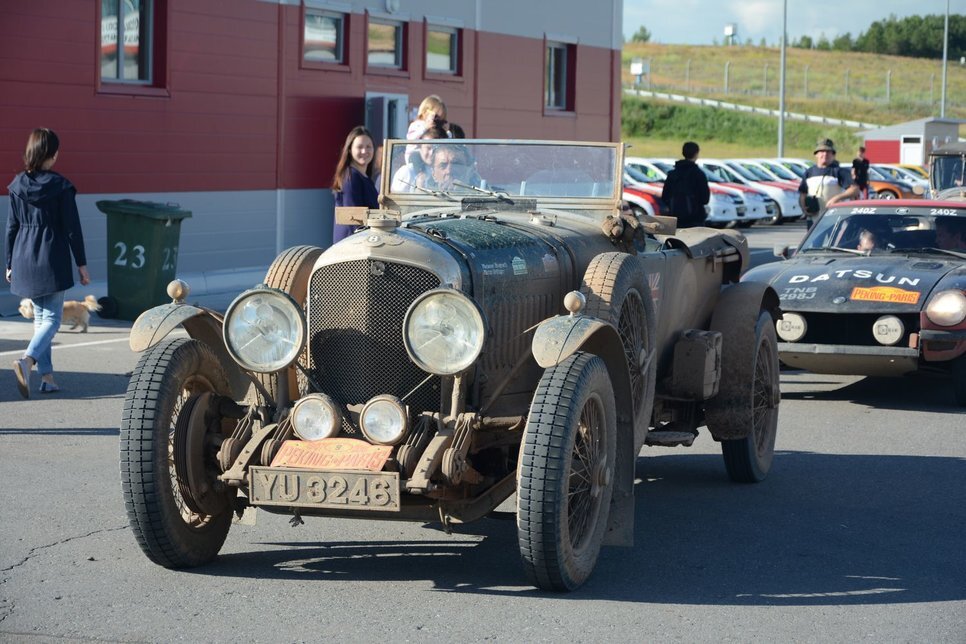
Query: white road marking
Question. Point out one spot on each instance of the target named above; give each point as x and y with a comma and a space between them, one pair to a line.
68, 346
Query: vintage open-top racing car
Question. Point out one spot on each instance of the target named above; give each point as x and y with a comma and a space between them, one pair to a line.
876, 289
499, 326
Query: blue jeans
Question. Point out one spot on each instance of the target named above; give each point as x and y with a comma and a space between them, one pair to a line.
48, 310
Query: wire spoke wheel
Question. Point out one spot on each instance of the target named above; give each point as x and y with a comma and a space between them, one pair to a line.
565, 473
617, 290
633, 332
747, 403
165, 484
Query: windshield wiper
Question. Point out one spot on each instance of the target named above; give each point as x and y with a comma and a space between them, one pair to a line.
502, 196
929, 249
854, 251
439, 194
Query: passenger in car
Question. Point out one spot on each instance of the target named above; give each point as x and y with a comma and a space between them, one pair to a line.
951, 233
415, 171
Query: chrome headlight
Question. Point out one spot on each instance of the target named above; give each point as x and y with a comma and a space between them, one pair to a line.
444, 331
384, 420
792, 327
264, 330
947, 308
888, 329
315, 417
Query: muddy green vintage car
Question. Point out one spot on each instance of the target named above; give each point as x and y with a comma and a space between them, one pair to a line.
499, 327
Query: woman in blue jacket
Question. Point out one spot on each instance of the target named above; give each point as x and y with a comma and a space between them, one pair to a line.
352, 183
43, 230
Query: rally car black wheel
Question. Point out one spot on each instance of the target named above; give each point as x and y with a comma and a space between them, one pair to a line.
959, 380
166, 486
565, 476
617, 290
290, 272
754, 360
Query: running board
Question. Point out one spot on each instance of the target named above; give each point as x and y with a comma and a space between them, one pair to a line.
669, 439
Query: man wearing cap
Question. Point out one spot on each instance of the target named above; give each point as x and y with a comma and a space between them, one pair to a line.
825, 184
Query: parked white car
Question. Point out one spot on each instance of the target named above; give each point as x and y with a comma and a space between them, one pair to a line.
725, 208
761, 207
780, 183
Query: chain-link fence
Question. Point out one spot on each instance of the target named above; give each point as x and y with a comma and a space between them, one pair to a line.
734, 77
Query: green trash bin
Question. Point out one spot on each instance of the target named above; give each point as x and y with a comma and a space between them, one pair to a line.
142, 255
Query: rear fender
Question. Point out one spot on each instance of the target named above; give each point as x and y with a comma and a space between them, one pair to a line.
202, 324
558, 338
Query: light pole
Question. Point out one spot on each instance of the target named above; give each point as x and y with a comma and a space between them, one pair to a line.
781, 84
942, 102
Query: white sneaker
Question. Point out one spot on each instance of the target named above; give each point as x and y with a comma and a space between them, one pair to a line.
21, 368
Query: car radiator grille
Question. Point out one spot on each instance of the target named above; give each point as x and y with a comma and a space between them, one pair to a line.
852, 329
355, 316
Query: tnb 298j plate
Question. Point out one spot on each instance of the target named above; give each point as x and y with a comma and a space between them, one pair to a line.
345, 489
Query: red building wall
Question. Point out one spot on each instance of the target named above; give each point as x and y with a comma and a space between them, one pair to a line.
239, 111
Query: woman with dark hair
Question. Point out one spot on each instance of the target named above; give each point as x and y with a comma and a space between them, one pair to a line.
43, 230
352, 183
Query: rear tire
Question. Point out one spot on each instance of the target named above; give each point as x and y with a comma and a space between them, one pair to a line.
959, 380
166, 380
749, 358
566, 472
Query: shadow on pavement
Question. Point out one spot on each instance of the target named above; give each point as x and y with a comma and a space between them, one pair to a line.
911, 393
822, 530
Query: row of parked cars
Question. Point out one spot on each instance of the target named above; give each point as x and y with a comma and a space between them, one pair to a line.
746, 191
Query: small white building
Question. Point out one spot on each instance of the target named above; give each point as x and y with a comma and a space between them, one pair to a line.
910, 142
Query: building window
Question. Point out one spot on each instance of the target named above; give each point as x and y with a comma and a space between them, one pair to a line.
385, 47
442, 50
558, 93
127, 41
323, 39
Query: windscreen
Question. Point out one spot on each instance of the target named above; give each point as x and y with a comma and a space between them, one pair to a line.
458, 167
889, 230
948, 172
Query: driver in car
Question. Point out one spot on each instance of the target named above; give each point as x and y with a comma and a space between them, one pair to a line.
449, 168
951, 233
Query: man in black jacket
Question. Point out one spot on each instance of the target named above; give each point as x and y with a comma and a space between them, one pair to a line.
686, 189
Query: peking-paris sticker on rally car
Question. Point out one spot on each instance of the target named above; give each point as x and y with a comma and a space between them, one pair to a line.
888, 294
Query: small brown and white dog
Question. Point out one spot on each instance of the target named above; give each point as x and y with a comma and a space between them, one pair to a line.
77, 314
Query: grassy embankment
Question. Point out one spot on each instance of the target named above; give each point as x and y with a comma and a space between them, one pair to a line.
657, 128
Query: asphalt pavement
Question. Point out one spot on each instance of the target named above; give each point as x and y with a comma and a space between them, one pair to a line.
856, 534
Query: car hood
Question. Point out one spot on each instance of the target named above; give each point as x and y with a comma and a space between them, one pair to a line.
860, 284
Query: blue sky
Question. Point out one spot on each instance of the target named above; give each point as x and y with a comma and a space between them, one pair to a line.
699, 22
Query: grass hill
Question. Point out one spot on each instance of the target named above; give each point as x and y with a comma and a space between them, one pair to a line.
846, 85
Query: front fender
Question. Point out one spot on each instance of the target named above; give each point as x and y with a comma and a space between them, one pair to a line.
202, 324
155, 324
558, 338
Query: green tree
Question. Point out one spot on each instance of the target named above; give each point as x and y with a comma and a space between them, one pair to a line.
843, 42
805, 42
823, 44
918, 36
641, 35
